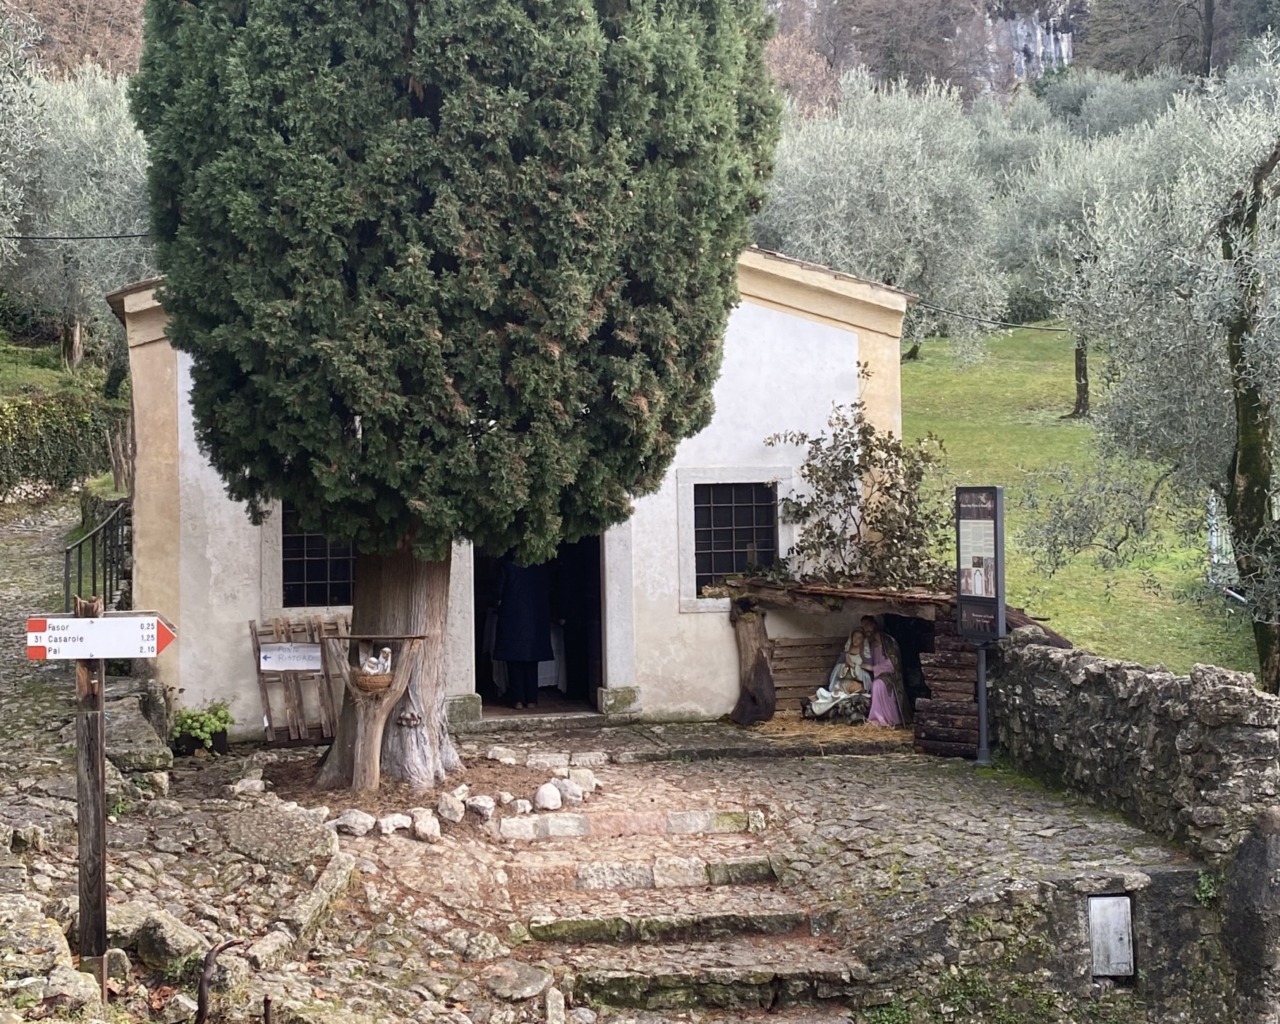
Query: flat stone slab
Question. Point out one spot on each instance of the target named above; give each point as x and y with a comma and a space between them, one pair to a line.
280, 839
661, 915
309, 909
132, 743
745, 974
30, 943
515, 981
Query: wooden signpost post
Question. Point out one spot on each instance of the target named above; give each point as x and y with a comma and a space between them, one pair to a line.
90, 638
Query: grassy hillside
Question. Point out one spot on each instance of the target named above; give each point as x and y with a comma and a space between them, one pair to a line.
1001, 418
23, 370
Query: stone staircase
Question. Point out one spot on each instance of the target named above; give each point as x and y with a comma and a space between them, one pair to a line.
668, 910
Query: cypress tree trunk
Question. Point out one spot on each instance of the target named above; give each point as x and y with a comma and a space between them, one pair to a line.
405, 736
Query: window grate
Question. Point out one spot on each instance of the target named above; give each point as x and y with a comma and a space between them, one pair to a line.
735, 528
317, 572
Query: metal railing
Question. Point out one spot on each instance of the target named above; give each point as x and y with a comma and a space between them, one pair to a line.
102, 556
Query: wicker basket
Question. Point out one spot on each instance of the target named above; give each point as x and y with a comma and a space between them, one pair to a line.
372, 683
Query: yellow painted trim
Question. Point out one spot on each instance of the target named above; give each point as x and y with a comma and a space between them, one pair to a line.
821, 295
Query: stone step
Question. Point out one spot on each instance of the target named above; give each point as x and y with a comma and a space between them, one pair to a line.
660, 915
606, 823
752, 972
631, 862
822, 1013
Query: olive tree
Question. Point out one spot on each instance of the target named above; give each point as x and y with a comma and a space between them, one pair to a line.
449, 270
17, 126
890, 186
83, 174
1180, 278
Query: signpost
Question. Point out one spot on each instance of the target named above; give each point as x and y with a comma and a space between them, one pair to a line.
290, 658
89, 638
61, 637
980, 599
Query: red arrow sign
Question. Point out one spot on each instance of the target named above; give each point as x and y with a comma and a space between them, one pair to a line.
131, 635
164, 635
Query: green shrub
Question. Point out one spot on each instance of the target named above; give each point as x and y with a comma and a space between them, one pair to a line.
54, 439
201, 723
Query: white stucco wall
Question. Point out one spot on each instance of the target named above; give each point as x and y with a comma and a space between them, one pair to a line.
218, 579
229, 572
780, 372
789, 354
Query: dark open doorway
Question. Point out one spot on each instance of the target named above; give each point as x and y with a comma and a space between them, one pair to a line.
570, 683
915, 637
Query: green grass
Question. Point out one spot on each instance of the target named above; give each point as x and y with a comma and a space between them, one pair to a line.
25, 370
1000, 419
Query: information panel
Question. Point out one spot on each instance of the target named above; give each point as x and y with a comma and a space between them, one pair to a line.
980, 562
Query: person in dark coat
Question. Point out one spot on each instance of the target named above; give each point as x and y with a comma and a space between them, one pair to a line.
524, 627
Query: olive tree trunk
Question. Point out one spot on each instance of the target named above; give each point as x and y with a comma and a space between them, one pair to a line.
1081, 409
1250, 509
73, 343
404, 731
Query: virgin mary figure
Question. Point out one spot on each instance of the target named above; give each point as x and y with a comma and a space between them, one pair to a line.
883, 659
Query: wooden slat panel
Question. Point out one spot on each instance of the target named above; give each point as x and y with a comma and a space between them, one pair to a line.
291, 717
322, 681
282, 632
787, 642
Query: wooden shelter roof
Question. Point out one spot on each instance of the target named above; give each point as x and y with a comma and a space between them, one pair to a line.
819, 597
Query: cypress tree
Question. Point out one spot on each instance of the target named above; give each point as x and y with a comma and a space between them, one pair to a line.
449, 269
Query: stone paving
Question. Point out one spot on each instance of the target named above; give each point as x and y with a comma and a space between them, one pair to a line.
693, 888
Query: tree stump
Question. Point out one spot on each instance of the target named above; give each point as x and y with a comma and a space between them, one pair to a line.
758, 699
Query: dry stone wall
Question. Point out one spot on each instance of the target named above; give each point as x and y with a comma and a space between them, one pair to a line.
1195, 758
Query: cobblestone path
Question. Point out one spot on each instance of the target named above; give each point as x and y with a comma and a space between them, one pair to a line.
33, 695
660, 890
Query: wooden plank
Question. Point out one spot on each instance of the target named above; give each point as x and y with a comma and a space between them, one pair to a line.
268, 726
951, 691
967, 695
323, 681
927, 724
938, 706
951, 658
784, 643
950, 671
945, 749
91, 799
937, 735
282, 632
965, 686
815, 669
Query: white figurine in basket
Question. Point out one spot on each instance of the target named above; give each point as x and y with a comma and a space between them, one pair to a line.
379, 666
